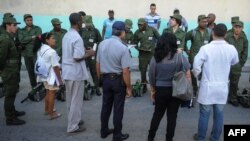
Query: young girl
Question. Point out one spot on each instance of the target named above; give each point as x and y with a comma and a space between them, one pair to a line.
44, 48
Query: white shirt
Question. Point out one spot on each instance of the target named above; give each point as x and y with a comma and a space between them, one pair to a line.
50, 57
214, 60
153, 20
73, 47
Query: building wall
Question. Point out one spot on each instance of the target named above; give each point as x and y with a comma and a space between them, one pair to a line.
44, 10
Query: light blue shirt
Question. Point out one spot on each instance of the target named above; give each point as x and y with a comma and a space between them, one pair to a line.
108, 25
113, 55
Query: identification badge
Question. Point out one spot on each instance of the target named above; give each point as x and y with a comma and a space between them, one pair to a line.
206, 42
178, 42
91, 40
150, 38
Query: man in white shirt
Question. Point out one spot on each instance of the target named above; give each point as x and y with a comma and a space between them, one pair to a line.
214, 60
153, 19
74, 72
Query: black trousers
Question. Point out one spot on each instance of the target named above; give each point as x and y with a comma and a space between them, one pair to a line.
114, 92
164, 102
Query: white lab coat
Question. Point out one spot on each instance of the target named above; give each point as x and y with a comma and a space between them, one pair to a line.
214, 60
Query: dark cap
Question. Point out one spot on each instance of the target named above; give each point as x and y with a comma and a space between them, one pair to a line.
10, 20
239, 23
119, 25
201, 17
55, 21
27, 16
141, 21
128, 23
176, 16
235, 19
88, 20
8, 14
176, 11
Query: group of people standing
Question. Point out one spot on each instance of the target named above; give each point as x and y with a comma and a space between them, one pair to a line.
68, 54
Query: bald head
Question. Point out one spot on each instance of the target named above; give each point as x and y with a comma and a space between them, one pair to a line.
211, 18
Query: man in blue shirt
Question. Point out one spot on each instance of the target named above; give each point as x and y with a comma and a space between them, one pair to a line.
107, 25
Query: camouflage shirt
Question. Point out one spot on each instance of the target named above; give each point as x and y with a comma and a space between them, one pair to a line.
179, 34
58, 37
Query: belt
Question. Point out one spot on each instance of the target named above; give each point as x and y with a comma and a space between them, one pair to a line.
12, 61
111, 76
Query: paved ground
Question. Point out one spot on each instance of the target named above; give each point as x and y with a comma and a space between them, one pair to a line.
137, 117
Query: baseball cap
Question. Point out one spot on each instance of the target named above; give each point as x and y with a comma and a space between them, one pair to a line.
119, 25
55, 21
128, 23
141, 21
88, 20
27, 16
235, 19
176, 16
200, 17
10, 20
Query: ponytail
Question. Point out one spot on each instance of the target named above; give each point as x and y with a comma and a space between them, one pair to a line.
39, 40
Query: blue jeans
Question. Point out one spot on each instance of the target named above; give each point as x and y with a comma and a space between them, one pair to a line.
218, 116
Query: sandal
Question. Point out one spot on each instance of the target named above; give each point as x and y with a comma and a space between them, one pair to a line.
47, 113
54, 116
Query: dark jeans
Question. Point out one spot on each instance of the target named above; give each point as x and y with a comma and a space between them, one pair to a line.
164, 102
114, 92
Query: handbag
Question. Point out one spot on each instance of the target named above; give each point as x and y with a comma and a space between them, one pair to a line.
182, 88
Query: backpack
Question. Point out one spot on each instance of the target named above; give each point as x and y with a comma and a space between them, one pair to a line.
244, 98
40, 66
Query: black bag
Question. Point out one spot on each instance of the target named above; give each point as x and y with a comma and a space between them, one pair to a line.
87, 91
36, 94
244, 98
61, 94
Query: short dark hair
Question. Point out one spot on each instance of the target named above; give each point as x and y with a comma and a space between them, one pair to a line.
74, 18
220, 30
116, 32
111, 11
82, 13
152, 4
41, 40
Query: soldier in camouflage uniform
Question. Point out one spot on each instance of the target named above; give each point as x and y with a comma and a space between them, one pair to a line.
10, 67
198, 37
147, 37
129, 38
27, 37
58, 33
239, 40
174, 28
91, 37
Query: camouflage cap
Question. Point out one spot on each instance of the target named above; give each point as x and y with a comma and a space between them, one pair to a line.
176, 16
10, 20
8, 14
239, 23
27, 16
128, 23
88, 20
55, 21
200, 17
235, 19
141, 21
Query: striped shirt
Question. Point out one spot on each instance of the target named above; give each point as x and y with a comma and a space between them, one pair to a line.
153, 20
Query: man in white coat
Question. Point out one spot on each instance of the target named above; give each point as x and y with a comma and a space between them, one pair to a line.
214, 61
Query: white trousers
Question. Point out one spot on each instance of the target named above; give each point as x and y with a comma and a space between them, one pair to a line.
74, 99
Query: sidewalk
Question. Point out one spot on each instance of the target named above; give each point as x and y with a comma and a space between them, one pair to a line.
137, 116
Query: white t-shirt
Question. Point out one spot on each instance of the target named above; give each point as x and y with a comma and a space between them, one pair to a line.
214, 60
50, 57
